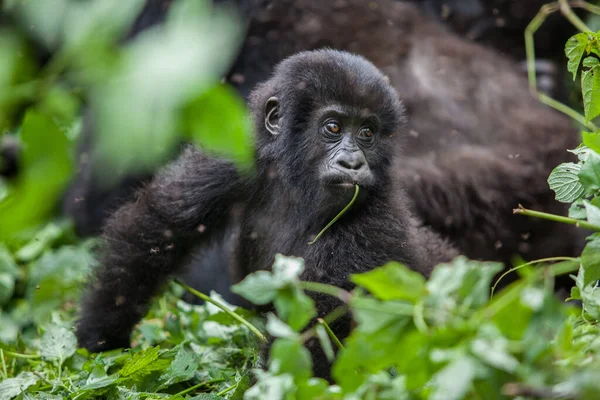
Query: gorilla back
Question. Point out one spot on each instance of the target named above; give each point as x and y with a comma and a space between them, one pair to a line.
325, 122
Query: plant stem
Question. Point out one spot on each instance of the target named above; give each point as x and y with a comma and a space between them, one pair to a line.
567, 11
4, 371
24, 356
557, 218
331, 290
199, 385
563, 108
337, 216
229, 389
330, 333
542, 260
237, 317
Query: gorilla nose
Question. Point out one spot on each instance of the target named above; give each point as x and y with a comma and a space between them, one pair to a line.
351, 161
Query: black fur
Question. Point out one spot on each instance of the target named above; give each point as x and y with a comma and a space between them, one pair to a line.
284, 204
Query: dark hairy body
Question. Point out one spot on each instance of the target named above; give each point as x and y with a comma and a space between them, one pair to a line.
325, 121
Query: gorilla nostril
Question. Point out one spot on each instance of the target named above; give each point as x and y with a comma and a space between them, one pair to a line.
351, 161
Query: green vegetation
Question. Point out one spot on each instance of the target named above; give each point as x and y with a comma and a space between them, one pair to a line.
446, 338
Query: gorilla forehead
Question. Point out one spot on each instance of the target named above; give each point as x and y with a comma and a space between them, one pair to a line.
312, 79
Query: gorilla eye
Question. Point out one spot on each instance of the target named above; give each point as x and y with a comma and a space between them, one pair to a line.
366, 132
333, 127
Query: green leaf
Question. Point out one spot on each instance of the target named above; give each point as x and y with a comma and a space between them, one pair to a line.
577, 210
46, 165
294, 307
325, 342
460, 284
574, 49
9, 273
590, 294
592, 212
278, 328
492, 348
564, 181
140, 364
99, 379
290, 357
454, 381
219, 124
138, 124
392, 281
182, 368
259, 287
262, 287
58, 343
592, 140
590, 261
589, 174
590, 88
12, 387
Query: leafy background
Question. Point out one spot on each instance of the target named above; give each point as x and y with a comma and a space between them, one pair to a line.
446, 338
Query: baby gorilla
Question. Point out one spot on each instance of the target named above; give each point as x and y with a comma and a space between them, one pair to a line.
325, 121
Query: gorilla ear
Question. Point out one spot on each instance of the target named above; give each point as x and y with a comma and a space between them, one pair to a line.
272, 115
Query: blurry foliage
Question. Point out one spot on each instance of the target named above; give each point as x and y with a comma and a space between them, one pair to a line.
444, 338
146, 97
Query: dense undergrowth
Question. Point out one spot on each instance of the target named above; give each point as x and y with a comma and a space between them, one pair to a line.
446, 338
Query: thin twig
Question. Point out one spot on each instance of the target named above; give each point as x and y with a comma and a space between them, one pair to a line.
337, 216
330, 333
557, 218
543, 260
237, 317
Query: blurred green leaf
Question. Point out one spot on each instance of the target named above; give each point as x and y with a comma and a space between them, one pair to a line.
12, 387
47, 165
392, 281
219, 123
290, 357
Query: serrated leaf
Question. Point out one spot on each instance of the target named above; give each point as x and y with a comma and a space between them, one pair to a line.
139, 365
12, 387
99, 379
182, 368
564, 181
393, 281
58, 343
590, 89
574, 49
589, 173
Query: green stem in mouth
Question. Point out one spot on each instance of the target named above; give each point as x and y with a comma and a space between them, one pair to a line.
337, 216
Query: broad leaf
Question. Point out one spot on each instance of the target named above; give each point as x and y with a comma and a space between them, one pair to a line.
564, 180
392, 281
590, 88
574, 49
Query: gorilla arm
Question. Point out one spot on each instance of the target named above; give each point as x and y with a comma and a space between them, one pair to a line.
147, 239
